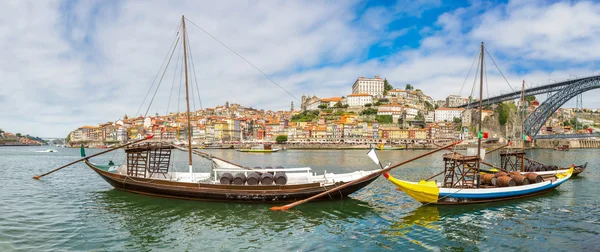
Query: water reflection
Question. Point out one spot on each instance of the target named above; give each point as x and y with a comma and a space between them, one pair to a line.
150, 221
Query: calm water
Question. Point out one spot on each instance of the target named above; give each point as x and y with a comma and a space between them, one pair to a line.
75, 210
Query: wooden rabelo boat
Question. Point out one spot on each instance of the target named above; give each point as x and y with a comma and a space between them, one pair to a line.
148, 170
463, 182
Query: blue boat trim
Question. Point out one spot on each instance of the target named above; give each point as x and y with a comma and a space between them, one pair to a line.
501, 194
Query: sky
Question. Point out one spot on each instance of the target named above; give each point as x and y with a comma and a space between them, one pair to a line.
66, 64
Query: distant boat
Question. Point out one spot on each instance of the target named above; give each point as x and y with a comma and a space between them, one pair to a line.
383, 147
564, 147
48, 150
264, 148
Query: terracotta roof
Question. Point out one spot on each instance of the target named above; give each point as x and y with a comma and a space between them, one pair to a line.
354, 95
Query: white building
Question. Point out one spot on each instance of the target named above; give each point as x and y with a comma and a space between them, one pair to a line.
429, 117
453, 101
448, 114
359, 100
390, 109
373, 86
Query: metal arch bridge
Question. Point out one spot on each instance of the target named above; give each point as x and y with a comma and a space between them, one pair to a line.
561, 93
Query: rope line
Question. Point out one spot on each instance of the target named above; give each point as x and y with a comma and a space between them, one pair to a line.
469, 73
161, 78
159, 70
511, 88
241, 57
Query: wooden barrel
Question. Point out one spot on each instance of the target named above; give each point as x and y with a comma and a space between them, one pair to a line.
280, 178
239, 179
514, 173
533, 177
226, 178
253, 178
266, 179
520, 179
505, 181
554, 167
488, 179
500, 174
270, 167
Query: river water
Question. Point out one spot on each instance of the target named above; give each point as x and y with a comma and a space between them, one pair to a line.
75, 210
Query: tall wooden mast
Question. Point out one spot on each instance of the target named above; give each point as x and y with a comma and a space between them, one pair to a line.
523, 108
480, 115
187, 94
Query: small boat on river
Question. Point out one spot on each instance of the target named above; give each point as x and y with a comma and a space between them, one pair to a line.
463, 183
261, 148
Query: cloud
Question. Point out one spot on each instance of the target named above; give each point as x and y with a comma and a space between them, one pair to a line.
74, 63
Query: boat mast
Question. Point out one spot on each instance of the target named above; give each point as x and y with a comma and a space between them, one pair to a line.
480, 115
523, 107
187, 94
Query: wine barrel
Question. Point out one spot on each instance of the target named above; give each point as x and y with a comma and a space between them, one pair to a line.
280, 178
269, 167
226, 178
488, 179
505, 181
500, 174
520, 179
533, 178
514, 173
253, 178
266, 179
239, 179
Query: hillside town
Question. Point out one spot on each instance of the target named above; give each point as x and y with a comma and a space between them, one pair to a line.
373, 112
16, 139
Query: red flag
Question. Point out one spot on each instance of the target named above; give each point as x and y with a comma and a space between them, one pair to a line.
485, 135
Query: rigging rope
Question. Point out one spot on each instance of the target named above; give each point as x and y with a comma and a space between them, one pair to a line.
195, 75
173, 83
161, 78
241, 57
511, 88
159, 70
469, 73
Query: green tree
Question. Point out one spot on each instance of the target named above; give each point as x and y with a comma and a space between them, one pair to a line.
503, 111
428, 106
436, 106
530, 98
18, 135
369, 111
368, 105
384, 118
386, 86
281, 139
338, 105
323, 106
377, 103
409, 87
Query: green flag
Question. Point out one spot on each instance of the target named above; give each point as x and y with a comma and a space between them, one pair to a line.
82, 150
480, 134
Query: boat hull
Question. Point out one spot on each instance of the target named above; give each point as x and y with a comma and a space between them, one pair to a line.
224, 193
430, 193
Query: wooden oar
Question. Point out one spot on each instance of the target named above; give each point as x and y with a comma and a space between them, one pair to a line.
77, 161
496, 149
370, 176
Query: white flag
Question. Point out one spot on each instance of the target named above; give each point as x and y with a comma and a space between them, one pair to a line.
373, 156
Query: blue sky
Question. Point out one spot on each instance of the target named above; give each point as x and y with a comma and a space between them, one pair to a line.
73, 63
